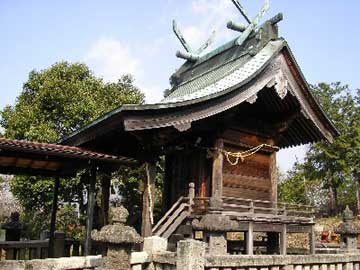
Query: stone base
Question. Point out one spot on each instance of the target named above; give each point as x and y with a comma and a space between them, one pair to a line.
117, 259
155, 244
217, 244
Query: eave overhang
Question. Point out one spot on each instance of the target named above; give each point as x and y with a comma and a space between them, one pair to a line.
278, 70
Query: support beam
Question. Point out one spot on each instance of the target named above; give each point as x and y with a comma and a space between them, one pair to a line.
105, 197
283, 242
53, 216
250, 239
90, 210
217, 169
148, 199
273, 177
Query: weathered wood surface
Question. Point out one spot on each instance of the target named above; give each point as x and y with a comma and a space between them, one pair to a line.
90, 210
21, 250
148, 199
273, 177
217, 169
251, 177
168, 214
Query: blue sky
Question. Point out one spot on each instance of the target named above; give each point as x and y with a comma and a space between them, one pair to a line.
121, 36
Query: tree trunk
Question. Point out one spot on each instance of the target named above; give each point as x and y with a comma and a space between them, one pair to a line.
336, 201
357, 184
333, 195
332, 203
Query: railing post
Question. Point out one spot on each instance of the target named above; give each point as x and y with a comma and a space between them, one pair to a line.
283, 243
251, 207
191, 193
250, 239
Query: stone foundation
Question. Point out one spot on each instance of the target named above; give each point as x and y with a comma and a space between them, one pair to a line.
72, 263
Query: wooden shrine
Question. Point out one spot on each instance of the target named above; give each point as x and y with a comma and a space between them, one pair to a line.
227, 114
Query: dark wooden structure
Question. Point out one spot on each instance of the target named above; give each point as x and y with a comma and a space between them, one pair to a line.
228, 113
56, 161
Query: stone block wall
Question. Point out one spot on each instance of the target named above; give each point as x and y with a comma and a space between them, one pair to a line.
72, 263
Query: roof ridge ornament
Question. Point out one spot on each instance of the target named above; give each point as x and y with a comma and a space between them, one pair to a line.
246, 30
190, 54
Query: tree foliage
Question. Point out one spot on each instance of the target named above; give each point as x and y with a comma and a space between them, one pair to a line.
54, 103
332, 168
59, 100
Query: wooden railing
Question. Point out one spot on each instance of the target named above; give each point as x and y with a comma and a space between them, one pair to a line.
241, 205
38, 249
24, 250
191, 205
173, 218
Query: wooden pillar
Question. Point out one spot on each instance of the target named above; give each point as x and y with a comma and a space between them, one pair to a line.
90, 210
105, 197
217, 169
53, 217
148, 199
312, 240
250, 239
273, 177
283, 242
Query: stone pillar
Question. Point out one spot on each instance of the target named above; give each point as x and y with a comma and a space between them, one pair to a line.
119, 240
190, 255
154, 244
59, 244
217, 244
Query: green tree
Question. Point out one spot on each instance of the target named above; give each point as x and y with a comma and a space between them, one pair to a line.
54, 103
335, 166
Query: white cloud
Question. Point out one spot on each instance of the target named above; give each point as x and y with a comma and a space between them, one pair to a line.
213, 15
111, 58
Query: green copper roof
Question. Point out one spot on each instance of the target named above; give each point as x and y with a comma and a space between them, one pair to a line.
225, 76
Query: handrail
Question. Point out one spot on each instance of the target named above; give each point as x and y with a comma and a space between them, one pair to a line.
35, 249
294, 209
167, 214
201, 198
171, 219
246, 200
24, 244
267, 202
294, 204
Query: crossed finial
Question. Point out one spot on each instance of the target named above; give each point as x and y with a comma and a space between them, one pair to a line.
246, 30
189, 53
